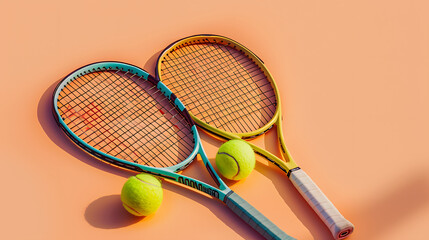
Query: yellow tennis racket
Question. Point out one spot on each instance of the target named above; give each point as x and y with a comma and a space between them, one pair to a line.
230, 93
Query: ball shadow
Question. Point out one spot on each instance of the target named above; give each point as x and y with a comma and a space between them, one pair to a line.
107, 213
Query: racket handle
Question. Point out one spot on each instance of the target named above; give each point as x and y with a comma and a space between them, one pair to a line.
337, 224
254, 218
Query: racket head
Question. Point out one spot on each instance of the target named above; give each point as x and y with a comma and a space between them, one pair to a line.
237, 110
175, 68
120, 114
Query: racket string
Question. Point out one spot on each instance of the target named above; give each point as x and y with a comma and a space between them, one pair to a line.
214, 93
191, 86
114, 115
124, 141
187, 58
119, 146
73, 100
158, 145
110, 108
264, 75
173, 68
233, 104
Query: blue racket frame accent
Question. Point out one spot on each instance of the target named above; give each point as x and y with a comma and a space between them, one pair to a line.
167, 172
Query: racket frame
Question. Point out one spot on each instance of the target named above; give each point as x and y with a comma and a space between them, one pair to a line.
286, 165
166, 172
337, 224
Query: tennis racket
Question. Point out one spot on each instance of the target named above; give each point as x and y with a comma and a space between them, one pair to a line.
120, 114
231, 94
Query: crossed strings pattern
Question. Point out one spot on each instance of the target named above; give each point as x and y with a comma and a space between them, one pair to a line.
220, 85
127, 117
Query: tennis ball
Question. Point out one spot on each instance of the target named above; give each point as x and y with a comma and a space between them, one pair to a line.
235, 159
142, 194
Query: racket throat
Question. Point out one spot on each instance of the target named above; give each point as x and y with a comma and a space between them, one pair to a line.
292, 170
286, 167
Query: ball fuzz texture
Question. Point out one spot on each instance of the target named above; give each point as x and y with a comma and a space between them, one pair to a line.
235, 159
142, 194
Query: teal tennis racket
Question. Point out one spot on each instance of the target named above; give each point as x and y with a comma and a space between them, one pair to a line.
120, 114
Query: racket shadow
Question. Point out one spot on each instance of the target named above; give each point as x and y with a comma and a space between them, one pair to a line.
150, 64
393, 205
107, 212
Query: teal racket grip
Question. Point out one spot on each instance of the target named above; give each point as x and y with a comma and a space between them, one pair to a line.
254, 218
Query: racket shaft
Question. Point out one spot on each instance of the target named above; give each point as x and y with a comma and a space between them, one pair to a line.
242, 208
254, 218
337, 224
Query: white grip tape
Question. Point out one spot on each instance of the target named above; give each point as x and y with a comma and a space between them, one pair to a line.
337, 224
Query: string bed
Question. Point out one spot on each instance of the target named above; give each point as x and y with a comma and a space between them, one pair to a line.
220, 85
127, 117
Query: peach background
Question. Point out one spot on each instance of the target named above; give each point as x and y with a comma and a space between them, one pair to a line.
354, 80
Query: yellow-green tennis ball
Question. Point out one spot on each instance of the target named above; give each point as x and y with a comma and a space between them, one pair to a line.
142, 194
235, 159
